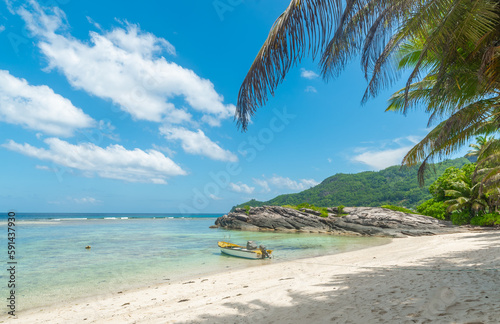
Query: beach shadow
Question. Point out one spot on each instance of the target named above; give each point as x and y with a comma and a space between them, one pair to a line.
462, 287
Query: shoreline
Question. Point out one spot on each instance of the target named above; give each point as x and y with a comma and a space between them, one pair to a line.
450, 277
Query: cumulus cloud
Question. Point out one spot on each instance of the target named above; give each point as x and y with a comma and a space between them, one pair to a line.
167, 150
382, 159
125, 65
197, 143
263, 184
241, 187
39, 108
114, 161
311, 89
282, 182
386, 155
307, 74
285, 183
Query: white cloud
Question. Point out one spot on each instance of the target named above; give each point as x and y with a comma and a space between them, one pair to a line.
414, 139
2, 28
381, 159
308, 74
308, 183
329, 160
124, 65
94, 23
42, 167
263, 184
385, 155
214, 197
197, 143
114, 161
170, 153
311, 89
285, 183
39, 108
282, 182
85, 200
241, 187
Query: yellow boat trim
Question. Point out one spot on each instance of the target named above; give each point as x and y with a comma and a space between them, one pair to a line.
226, 244
231, 245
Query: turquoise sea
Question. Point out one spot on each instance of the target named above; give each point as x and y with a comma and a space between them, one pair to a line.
135, 250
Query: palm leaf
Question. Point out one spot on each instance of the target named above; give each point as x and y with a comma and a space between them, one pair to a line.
304, 27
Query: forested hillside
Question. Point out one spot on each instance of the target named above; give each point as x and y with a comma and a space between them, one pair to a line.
392, 186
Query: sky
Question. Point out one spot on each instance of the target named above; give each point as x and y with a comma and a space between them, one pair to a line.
120, 107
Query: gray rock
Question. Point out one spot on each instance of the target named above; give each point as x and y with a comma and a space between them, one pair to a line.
310, 211
365, 221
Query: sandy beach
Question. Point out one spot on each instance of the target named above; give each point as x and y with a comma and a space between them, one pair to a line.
452, 278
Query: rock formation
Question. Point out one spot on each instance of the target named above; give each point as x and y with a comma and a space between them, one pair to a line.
365, 221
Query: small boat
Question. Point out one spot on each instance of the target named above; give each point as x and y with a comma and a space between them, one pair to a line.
249, 252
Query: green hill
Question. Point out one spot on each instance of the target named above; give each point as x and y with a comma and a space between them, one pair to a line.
392, 186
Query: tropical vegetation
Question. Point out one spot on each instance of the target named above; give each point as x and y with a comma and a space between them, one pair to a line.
464, 192
392, 186
469, 194
322, 210
450, 47
398, 208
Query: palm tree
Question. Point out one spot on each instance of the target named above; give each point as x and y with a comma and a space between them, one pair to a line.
470, 104
487, 172
481, 143
465, 197
456, 42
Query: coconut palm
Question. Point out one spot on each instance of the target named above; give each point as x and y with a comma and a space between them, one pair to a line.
451, 33
470, 104
481, 143
454, 42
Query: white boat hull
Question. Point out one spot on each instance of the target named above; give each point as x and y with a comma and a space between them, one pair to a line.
241, 253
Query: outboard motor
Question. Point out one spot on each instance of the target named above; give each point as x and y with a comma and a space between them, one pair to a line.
251, 245
263, 251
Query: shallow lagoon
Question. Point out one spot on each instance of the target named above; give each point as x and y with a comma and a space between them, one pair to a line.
53, 264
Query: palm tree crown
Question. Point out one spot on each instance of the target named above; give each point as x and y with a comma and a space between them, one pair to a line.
452, 48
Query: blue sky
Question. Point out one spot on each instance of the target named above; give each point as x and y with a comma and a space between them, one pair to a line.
121, 107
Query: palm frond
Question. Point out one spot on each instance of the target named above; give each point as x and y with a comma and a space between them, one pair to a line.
304, 27
453, 133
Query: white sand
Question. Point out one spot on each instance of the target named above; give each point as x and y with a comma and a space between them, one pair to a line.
450, 278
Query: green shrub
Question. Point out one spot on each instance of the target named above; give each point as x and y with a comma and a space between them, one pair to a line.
247, 209
490, 219
461, 218
322, 210
436, 209
306, 205
400, 209
341, 209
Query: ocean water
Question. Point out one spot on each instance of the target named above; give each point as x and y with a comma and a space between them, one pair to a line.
136, 250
